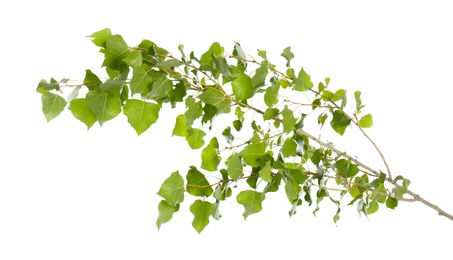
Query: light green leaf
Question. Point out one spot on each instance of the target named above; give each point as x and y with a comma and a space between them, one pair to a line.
168, 63
272, 93
134, 59
52, 105
82, 111
372, 207
140, 82
366, 121
100, 37
165, 213
242, 86
180, 128
160, 89
223, 67
262, 54
235, 168
217, 99
303, 81
209, 158
340, 121
172, 189
207, 60
197, 185
112, 87
251, 200
270, 113
115, 51
195, 138
265, 172
289, 122
91, 80
103, 105
289, 147
292, 189
141, 114
288, 55
260, 75
252, 152
201, 211
358, 102
194, 110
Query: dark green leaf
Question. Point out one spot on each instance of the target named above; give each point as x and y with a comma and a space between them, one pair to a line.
340, 121
223, 67
251, 200
228, 136
346, 168
82, 111
391, 202
172, 189
197, 185
52, 105
201, 211
217, 99
141, 114
48, 86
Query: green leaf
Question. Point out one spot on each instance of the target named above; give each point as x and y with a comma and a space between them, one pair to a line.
52, 105
303, 82
82, 111
201, 211
270, 113
262, 54
160, 89
242, 86
366, 121
207, 60
48, 86
91, 80
292, 189
346, 168
288, 55
272, 93
165, 213
265, 172
115, 51
180, 128
141, 114
340, 121
238, 52
372, 207
134, 59
140, 82
197, 185
289, 147
260, 75
358, 102
100, 37
209, 158
194, 110
251, 200
195, 138
223, 67
228, 136
234, 167
170, 63
391, 202
338, 95
289, 121
252, 152
112, 87
103, 105
217, 99
172, 189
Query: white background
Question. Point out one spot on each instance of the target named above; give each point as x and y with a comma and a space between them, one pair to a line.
66, 193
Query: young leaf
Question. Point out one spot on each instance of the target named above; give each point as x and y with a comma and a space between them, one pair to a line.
289, 147
100, 37
289, 121
260, 75
194, 110
209, 158
235, 168
358, 102
265, 172
172, 189
201, 211
197, 185
366, 121
52, 105
271, 93
251, 200
82, 111
303, 82
141, 114
252, 152
228, 136
165, 213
